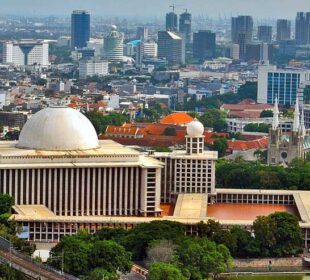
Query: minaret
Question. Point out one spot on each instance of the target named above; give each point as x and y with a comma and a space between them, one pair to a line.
296, 123
275, 120
195, 137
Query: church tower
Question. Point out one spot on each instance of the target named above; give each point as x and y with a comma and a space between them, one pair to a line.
284, 147
274, 136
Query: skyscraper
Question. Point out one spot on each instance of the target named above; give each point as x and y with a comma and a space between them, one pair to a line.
80, 29
172, 22
185, 26
204, 44
171, 46
142, 33
283, 29
113, 45
242, 32
264, 33
302, 28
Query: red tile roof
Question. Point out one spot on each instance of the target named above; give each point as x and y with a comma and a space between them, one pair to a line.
177, 119
247, 107
239, 145
123, 130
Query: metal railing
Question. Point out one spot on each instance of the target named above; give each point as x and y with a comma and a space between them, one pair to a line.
6, 245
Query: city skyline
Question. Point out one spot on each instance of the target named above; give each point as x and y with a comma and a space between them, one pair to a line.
211, 8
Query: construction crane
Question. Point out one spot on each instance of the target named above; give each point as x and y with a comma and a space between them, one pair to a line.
173, 6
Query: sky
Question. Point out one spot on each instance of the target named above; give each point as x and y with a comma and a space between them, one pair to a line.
155, 8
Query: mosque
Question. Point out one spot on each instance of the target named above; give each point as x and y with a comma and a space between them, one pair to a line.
64, 179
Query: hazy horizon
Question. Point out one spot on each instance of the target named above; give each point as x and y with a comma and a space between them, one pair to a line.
153, 8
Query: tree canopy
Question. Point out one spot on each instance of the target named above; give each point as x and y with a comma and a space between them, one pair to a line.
100, 122
214, 118
201, 258
266, 114
164, 271
257, 127
253, 175
248, 90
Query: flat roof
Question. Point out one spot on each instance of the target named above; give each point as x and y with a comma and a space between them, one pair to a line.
246, 212
191, 206
189, 209
106, 147
115, 153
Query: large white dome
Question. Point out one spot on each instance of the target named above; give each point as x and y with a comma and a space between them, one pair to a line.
58, 129
195, 128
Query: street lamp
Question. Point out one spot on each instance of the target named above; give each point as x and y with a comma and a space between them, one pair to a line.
62, 260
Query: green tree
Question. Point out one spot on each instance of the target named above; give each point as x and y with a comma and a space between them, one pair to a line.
248, 90
115, 234
271, 232
8, 273
201, 258
214, 118
220, 145
264, 231
75, 252
226, 238
261, 155
164, 271
99, 274
170, 131
141, 236
266, 114
257, 127
243, 239
109, 255
6, 203
100, 122
208, 229
288, 229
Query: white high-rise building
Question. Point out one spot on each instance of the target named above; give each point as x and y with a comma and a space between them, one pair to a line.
93, 67
113, 45
95, 44
26, 52
234, 52
146, 50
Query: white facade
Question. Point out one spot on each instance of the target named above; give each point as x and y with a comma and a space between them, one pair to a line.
282, 84
237, 124
146, 50
95, 44
93, 67
60, 164
26, 52
113, 46
235, 50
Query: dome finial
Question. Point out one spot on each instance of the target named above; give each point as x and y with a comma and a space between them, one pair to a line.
195, 128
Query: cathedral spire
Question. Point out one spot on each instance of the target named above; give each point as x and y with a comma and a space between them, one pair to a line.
296, 123
302, 122
275, 120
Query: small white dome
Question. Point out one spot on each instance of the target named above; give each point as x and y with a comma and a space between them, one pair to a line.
114, 27
58, 129
195, 128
